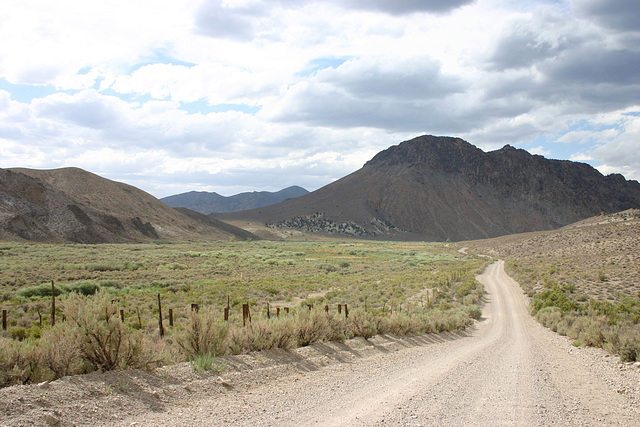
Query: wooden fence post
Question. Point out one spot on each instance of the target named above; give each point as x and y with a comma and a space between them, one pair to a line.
195, 307
171, 317
4, 320
53, 303
122, 315
139, 318
278, 312
339, 308
268, 311
160, 317
326, 309
346, 312
286, 310
245, 314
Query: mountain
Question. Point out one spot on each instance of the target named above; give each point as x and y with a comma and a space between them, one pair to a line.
206, 203
72, 205
438, 188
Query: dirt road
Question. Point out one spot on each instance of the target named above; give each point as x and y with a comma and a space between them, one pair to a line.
507, 371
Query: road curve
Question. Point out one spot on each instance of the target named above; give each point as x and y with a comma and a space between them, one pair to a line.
508, 371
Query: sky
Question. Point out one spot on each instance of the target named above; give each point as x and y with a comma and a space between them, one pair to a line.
258, 95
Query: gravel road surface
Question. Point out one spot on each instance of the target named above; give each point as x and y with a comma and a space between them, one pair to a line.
507, 371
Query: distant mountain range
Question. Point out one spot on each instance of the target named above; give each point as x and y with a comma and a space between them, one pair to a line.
439, 188
73, 205
206, 203
429, 188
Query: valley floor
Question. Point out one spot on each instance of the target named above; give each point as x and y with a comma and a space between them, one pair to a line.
506, 370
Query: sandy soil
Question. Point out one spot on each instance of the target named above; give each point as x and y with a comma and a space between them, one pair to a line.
506, 370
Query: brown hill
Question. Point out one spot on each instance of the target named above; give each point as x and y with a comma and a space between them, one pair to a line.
438, 188
598, 256
73, 205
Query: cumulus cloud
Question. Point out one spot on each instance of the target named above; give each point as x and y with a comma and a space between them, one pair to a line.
615, 14
238, 95
216, 83
621, 152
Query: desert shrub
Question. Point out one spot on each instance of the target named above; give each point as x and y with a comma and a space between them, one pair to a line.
110, 284
19, 333
263, 334
18, 362
104, 266
550, 317
105, 342
204, 335
587, 330
448, 319
59, 351
43, 290
554, 297
86, 287
133, 266
312, 326
629, 343
402, 323
361, 324
474, 311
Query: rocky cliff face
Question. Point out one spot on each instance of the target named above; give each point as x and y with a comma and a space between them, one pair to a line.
438, 188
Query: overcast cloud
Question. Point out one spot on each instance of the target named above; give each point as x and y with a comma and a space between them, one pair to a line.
244, 95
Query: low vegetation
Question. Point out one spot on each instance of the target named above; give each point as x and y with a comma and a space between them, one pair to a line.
612, 326
583, 280
107, 300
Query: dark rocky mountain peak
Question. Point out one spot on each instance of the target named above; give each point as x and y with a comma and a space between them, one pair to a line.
438, 188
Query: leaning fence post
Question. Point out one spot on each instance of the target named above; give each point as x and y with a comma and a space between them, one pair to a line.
53, 303
160, 317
